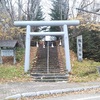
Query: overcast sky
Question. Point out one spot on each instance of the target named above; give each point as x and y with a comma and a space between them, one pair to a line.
46, 5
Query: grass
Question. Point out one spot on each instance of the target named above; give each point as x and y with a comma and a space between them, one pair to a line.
13, 73
81, 71
85, 71
19, 54
10, 72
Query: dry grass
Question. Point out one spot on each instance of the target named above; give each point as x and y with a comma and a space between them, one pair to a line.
81, 71
10, 72
84, 71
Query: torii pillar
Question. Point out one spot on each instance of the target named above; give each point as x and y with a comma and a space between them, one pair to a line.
64, 33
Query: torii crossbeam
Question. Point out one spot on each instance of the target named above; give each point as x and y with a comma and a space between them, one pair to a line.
64, 33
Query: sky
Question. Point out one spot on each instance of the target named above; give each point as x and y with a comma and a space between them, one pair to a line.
46, 5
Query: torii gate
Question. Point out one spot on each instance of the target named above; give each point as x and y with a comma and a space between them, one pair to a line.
64, 33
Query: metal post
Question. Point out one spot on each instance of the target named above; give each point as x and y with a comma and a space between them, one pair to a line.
67, 50
27, 50
47, 56
14, 50
0, 57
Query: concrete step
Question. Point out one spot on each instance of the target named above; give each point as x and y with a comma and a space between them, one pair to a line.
45, 71
52, 69
50, 77
55, 61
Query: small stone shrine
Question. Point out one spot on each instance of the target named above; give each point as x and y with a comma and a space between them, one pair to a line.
8, 49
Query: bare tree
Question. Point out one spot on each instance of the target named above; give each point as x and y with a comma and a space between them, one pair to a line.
28, 8
8, 8
19, 9
86, 9
32, 9
63, 9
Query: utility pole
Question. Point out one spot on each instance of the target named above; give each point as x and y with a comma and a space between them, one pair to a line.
60, 10
19, 9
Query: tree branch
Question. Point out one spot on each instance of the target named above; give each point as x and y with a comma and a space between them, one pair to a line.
88, 11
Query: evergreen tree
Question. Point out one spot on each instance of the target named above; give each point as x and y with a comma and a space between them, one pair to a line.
59, 12
55, 14
39, 15
55, 11
91, 41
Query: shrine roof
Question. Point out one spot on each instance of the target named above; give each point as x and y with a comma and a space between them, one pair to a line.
8, 43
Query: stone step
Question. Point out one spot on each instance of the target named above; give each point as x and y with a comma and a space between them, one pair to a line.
39, 64
46, 68
51, 77
50, 70
42, 65
50, 66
